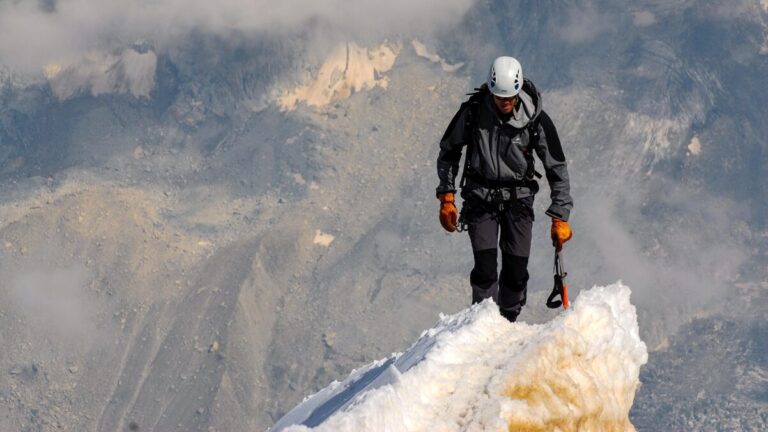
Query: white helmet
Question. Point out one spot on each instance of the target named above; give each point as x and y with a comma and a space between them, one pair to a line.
505, 79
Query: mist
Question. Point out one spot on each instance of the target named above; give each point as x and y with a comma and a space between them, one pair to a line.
249, 252
34, 34
682, 253
53, 300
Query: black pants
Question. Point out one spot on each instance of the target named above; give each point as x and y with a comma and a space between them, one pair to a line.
515, 221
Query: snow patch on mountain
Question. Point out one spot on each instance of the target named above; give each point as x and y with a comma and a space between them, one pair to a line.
659, 135
476, 371
348, 69
694, 147
323, 239
423, 51
130, 72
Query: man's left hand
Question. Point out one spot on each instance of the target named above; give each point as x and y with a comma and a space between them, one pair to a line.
561, 233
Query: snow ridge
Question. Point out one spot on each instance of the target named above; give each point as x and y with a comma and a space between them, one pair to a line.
474, 371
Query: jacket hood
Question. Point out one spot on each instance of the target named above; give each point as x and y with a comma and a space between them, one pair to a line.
527, 110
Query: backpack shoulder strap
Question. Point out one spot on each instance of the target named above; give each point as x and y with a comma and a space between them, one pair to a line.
472, 104
533, 131
533, 141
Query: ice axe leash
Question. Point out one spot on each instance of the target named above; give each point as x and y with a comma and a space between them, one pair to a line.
561, 288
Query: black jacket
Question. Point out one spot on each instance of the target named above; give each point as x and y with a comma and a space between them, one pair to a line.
497, 156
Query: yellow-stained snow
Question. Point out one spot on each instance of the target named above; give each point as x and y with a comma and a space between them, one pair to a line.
348, 69
557, 388
475, 371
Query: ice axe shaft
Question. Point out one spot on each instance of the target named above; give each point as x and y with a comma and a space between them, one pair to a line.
561, 288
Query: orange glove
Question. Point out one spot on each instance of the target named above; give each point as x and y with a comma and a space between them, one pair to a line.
561, 233
449, 216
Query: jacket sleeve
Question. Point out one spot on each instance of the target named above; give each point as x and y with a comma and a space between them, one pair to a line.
451, 145
550, 151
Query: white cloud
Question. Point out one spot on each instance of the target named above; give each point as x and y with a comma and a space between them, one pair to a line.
34, 34
53, 301
130, 72
584, 25
643, 18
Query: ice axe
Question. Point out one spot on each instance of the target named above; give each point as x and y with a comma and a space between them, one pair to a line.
561, 288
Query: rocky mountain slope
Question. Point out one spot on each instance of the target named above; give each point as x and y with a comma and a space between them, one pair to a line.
194, 253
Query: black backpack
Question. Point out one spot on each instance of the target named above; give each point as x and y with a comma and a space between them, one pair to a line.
472, 104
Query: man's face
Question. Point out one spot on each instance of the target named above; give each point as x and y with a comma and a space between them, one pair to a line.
505, 105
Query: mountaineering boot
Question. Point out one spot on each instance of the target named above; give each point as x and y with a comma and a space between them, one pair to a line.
511, 303
513, 287
511, 313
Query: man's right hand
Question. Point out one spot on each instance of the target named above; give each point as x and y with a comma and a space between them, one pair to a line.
449, 216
